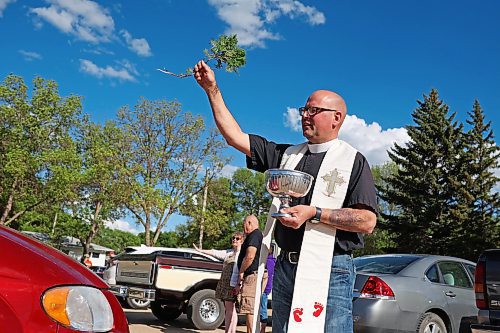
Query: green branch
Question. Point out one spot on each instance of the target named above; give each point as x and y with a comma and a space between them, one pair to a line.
224, 51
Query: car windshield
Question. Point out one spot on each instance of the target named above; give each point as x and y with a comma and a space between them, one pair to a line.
383, 264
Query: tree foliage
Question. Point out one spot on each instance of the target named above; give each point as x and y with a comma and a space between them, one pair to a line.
381, 240
252, 197
478, 202
431, 189
229, 202
101, 190
116, 239
219, 216
165, 152
224, 51
39, 156
422, 188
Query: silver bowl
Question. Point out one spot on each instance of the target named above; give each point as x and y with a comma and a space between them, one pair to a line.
285, 184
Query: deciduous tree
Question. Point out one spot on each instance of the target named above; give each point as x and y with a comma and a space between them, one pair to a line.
39, 158
165, 155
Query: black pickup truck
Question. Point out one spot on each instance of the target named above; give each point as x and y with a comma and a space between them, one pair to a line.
487, 288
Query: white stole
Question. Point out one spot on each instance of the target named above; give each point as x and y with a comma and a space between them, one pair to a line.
313, 272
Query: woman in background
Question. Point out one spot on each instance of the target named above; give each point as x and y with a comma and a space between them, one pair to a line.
228, 279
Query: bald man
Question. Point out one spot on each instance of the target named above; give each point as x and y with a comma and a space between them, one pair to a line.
248, 263
322, 118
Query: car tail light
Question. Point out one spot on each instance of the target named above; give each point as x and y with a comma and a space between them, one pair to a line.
479, 286
375, 287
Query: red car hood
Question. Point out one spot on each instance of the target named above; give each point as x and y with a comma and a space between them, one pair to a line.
28, 260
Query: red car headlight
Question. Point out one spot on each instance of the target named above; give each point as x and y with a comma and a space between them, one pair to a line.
79, 307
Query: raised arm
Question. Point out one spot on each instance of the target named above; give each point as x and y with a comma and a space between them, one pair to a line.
224, 120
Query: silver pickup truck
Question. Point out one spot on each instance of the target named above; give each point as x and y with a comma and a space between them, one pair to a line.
487, 288
176, 281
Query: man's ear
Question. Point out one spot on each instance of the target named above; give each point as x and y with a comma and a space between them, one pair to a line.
336, 119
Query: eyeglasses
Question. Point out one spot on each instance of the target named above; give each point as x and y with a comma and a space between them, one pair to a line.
236, 238
312, 110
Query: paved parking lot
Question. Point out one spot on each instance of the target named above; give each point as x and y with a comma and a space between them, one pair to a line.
143, 321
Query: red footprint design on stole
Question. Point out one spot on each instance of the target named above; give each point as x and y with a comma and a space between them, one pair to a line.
297, 314
318, 307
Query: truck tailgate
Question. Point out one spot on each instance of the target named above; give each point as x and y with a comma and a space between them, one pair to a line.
136, 269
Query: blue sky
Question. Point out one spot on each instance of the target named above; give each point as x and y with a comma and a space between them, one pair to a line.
381, 56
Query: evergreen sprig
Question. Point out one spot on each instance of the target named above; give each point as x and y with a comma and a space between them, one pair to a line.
224, 51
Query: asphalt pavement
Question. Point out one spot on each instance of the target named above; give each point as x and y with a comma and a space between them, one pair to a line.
143, 321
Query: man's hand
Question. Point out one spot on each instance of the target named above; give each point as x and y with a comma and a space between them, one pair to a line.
205, 76
300, 214
236, 290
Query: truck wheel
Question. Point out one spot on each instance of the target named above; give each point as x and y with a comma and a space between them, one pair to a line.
431, 323
135, 303
204, 311
164, 313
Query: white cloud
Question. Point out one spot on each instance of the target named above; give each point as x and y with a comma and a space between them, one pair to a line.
128, 66
98, 50
84, 19
137, 45
122, 225
29, 55
293, 119
228, 170
122, 74
296, 9
369, 139
249, 19
3, 5
496, 188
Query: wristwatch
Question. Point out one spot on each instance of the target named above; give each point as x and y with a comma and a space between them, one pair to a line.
316, 217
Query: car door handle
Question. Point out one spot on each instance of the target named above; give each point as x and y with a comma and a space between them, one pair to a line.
450, 294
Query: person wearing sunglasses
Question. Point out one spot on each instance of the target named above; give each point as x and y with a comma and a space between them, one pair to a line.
229, 279
342, 203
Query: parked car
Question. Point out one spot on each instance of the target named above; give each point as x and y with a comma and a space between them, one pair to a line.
487, 288
413, 293
45, 291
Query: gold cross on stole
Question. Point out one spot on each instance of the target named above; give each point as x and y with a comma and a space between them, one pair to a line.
332, 179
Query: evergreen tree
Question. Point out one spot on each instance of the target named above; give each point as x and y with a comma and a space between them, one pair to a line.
478, 202
381, 240
421, 188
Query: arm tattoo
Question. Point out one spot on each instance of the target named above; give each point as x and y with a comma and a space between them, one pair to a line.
213, 91
346, 219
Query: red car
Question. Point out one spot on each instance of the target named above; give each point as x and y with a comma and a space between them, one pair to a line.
42, 290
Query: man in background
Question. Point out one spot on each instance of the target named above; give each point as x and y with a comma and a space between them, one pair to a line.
248, 264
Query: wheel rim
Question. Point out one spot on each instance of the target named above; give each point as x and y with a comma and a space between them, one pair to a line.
139, 302
209, 311
432, 328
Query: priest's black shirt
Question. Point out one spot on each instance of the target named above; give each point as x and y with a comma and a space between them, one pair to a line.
361, 190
